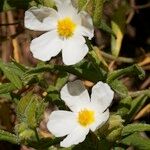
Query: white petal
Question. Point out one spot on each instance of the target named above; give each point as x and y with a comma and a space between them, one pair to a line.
101, 96
61, 2
101, 119
74, 50
75, 95
77, 136
46, 46
74, 3
61, 123
40, 19
86, 28
66, 9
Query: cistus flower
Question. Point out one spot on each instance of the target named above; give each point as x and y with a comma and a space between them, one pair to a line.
86, 113
66, 30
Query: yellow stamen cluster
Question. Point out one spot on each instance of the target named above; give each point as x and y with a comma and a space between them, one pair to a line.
86, 117
66, 27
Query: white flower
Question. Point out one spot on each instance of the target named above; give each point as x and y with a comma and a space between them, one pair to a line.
66, 30
86, 113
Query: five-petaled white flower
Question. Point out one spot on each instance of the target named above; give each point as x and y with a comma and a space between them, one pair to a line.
66, 30
86, 113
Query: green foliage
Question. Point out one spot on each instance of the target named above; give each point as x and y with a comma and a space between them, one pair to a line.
6, 87
6, 5
47, 3
97, 14
103, 26
30, 109
95, 9
52, 92
136, 127
119, 88
12, 73
15, 4
61, 80
85, 70
124, 106
46, 144
19, 82
136, 105
139, 142
6, 136
131, 70
118, 23
81, 4
112, 129
93, 143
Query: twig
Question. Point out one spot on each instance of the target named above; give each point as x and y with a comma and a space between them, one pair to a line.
131, 13
9, 24
16, 50
143, 112
111, 66
145, 83
118, 59
5, 44
137, 93
130, 16
147, 67
142, 6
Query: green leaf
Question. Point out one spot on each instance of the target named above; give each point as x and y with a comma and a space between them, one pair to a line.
140, 143
97, 59
21, 68
1, 4
29, 109
136, 105
104, 144
61, 80
9, 4
124, 106
119, 88
39, 112
12, 74
22, 105
131, 70
92, 143
53, 90
118, 27
47, 3
6, 87
6, 95
88, 71
45, 143
103, 26
6, 136
98, 10
97, 64
81, 4
5, 6
83, 70
30, 112
136, 127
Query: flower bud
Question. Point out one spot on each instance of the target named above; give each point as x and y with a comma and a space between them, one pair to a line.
21, 127
26, 134
114, 135
112, 129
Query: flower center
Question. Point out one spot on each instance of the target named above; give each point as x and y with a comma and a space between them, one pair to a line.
86, 117
66, 27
